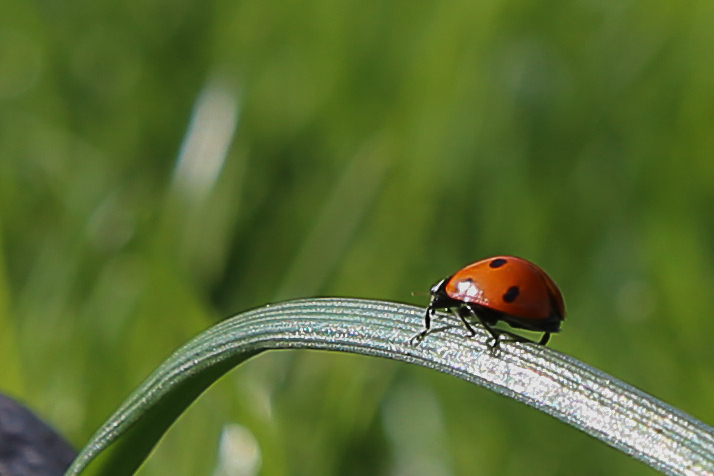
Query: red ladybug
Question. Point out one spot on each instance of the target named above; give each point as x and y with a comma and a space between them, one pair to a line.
503, 288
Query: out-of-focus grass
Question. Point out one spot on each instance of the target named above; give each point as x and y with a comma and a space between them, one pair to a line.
376, 147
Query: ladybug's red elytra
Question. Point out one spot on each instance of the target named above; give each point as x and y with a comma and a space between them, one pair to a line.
502, 288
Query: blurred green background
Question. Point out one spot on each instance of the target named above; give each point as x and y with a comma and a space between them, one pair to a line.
166, 164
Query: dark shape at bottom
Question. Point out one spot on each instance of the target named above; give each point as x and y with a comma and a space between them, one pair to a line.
28, 446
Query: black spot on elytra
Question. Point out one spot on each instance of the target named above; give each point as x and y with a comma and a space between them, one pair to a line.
511, 294
497, 263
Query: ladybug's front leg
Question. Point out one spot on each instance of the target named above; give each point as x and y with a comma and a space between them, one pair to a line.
416, 340
427, 319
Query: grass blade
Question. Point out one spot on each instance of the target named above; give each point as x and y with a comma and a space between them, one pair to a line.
598, 404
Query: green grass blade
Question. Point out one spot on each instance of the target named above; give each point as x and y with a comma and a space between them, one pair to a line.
598, 404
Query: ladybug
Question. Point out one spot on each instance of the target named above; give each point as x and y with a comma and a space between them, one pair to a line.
503, 288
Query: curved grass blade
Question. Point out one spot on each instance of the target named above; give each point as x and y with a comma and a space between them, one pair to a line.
596, 403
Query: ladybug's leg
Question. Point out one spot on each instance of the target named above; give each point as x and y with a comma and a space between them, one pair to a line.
462, 313
427, 319
416, 340
470, 311
544, 339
